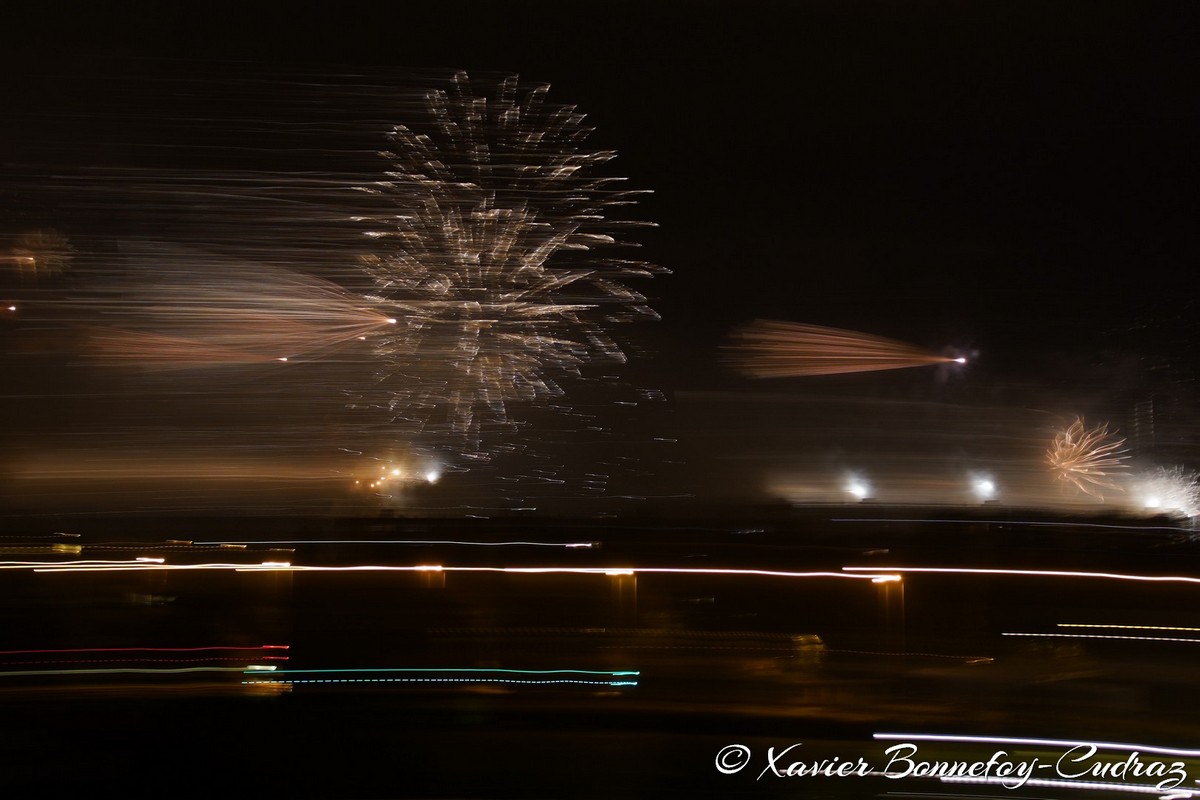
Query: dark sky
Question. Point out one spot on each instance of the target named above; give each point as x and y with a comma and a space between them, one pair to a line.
1016, 179
992, 175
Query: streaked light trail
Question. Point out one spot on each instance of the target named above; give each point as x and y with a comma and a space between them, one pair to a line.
539, 677
1050, 573
770, 349
1104, 636
606, 571
567, 545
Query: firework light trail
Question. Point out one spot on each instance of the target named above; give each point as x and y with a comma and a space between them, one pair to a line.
488, 260
270, 289
770, 349
1087, 458
201, 310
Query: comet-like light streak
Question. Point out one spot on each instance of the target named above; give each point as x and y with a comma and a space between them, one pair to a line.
771, 349
1087, 458
196, 310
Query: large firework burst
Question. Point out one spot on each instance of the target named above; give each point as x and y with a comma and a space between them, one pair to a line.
487, 258
1087, 458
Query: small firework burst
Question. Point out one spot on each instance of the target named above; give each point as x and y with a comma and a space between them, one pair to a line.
1171, 490
43, 253
1087, 458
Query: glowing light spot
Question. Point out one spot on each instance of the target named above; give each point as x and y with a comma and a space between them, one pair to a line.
858, 489
984, 488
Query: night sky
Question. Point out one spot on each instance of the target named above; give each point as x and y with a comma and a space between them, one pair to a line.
1012, 180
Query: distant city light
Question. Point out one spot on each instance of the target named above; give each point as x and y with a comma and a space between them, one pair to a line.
858, 489
984, 488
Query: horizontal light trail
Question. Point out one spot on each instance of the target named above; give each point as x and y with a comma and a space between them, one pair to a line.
617, 673
1125, 627
608, 571
1049, 573
126, 660
1030, 523
971, 739
115, 671
541, 677
83, 563
443, 680
1093, 786
568, 545
147, 649
1103, 636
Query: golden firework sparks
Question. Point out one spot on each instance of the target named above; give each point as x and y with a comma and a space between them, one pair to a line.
1087, 457
491, 265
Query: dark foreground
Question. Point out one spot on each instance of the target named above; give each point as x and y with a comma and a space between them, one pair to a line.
649, 660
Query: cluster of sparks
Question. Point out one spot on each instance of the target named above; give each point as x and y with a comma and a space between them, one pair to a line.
771, 349
1171, 490
1087, 458
487, 259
